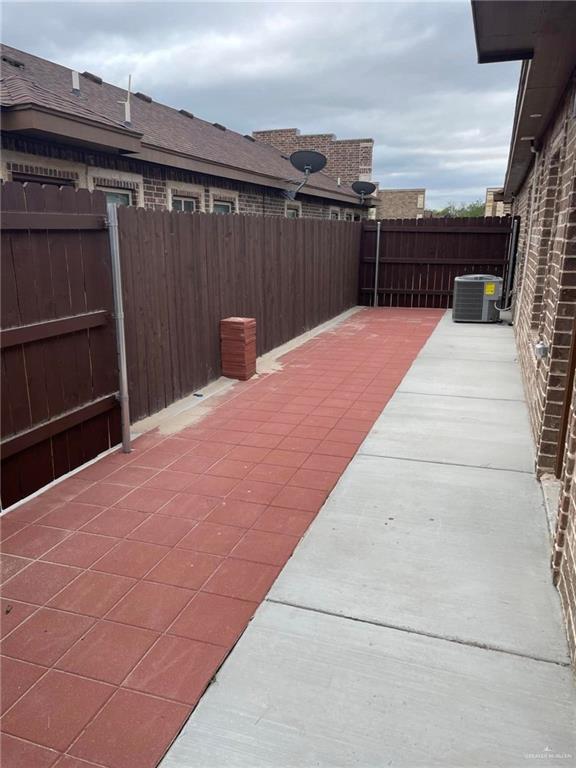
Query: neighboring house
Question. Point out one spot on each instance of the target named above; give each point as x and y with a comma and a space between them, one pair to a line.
494, 204
400, 203
541, 186
347, 159
62, 128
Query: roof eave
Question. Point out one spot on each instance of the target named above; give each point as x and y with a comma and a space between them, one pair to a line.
35, 119
161, 156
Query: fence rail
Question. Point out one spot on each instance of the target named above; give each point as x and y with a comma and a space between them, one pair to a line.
59, 377
419, 258
182, 273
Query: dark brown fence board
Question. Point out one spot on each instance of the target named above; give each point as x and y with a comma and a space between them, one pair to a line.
57, 293
419, 259
183, 273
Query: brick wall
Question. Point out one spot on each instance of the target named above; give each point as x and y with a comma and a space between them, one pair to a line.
347, 159
546, 280
545, 310
400, 203
494, 207
564, 556
150, 185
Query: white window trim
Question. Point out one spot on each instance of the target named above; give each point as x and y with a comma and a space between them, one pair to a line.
348, 213
420, 201
187, 190
116, 177
224, 196
293, 204
332, 210
117, 191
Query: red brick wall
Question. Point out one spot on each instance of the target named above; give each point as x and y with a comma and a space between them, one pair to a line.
545, 309
546, 280
347, 159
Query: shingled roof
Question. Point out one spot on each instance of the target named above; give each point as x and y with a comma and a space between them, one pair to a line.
35, 80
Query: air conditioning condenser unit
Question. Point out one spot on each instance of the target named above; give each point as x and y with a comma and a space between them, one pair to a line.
476, 299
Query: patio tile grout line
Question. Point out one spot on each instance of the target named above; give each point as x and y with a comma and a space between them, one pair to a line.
366, 400
421, 633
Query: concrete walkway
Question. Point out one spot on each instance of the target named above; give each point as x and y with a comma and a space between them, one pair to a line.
416, 624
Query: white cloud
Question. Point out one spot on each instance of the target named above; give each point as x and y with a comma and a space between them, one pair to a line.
402, 73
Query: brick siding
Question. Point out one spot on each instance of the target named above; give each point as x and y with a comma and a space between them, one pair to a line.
545, 310
347, 159
84, 167
495, 207
400, 203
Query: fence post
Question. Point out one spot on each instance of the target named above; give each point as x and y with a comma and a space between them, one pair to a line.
377, 265
119, 314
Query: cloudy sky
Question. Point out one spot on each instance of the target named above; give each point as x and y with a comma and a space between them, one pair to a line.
402, 73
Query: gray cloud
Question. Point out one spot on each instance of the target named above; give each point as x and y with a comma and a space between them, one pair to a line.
402, 73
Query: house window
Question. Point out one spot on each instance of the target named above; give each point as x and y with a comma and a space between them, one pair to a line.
293, 210
222, 206
357, 217
335, 213
117, 197
184, 204
349, 216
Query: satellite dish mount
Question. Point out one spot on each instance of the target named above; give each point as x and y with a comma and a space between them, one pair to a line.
363, 189
307, 161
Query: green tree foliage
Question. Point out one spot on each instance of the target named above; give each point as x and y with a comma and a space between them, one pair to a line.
454, 210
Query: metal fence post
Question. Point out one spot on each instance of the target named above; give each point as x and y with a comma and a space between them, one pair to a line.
377, 265
119, 314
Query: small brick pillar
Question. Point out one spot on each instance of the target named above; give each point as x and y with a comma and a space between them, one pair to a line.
238, 347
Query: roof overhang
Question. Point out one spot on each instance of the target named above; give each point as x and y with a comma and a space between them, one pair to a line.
42, 123
543, 35
37, 121
152, 154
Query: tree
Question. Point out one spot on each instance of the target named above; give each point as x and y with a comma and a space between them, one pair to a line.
453, 210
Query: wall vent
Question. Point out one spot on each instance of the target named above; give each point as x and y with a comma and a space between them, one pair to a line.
13, 62
94, 78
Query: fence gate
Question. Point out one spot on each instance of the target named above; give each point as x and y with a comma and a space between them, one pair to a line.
59, 367
419, 258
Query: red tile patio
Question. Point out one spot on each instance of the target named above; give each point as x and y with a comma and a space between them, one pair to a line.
125, 586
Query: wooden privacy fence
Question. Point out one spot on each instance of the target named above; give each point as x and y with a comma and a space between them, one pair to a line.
182, 273
419, 258
59, 370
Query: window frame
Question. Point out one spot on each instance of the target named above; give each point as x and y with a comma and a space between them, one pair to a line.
229, 203
293, 205
183, 199
221, 196
117, 191
333, 210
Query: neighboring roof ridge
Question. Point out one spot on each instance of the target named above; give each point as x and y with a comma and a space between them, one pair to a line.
173, 130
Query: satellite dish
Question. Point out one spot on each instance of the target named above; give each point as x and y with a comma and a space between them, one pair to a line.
308, 161
363, 188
